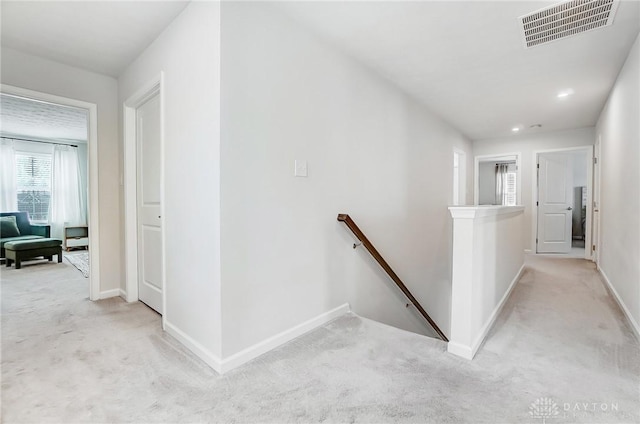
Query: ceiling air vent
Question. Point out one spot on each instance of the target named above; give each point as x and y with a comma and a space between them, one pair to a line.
566, 19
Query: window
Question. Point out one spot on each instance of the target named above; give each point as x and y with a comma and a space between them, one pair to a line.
33, 181
505, 175
510, 194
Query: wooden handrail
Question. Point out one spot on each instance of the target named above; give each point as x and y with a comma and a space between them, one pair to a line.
343, 217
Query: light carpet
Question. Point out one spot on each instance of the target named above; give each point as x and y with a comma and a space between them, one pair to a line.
80, 260
560, 338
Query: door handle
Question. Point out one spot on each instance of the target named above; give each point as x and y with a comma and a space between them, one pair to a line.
569, 208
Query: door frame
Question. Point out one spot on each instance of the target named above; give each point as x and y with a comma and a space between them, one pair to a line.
497, 157
130, 106
462, 178
596, 202
92, 171
534, 197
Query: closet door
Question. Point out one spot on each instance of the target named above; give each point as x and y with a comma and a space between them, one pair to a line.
150, 267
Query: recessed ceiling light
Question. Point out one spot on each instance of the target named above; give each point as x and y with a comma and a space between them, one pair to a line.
515, 129
565, 93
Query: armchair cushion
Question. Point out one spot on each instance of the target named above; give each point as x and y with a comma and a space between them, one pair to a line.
22, 221
10, 239
17, 245
8, 227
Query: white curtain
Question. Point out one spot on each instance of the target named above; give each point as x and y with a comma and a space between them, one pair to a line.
501, 183
8, 191
67, 206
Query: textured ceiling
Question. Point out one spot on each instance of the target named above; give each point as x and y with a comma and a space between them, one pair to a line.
467, 62
100, 36
24, 118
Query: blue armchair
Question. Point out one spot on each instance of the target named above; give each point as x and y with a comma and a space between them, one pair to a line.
28, 231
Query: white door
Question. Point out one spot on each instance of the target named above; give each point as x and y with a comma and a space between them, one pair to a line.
555, 202
150, 265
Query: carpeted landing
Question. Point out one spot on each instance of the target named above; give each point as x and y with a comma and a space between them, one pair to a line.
560, 352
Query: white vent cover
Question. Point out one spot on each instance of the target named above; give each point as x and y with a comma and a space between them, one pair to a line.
566, 19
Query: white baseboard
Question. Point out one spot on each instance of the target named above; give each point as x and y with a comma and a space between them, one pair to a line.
109, 293
273, 342
246, 355
625, 310
460, 350
468, 352
200, 351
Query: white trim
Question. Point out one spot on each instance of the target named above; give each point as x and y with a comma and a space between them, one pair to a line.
534, 196
595, 204
497, 157
130, 207
200, 351
163, 235
634, 324
471, 212
460, 350
273, 342
462, 177
252, 352
151, 88
94, 202
110, 293
468, 352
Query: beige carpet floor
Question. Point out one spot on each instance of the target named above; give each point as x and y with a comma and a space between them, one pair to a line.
561, 341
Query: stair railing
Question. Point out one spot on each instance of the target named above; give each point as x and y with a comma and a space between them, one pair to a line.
376, 255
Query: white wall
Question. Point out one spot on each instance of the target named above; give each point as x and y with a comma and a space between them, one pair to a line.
619, 129
38, 74
487, 262
527, 145
188, 52
373, 152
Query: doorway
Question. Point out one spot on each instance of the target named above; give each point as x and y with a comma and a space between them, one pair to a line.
91, 171
497, 180
144, 197
563, 198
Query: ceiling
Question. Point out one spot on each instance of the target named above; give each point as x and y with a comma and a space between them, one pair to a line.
464, 59
31, 119
467, 62
100, 36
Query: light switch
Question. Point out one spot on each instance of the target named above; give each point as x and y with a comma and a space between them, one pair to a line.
300, 168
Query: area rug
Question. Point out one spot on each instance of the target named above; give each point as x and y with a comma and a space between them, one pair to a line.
80, 260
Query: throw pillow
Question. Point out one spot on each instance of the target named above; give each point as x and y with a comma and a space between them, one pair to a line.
8, 227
